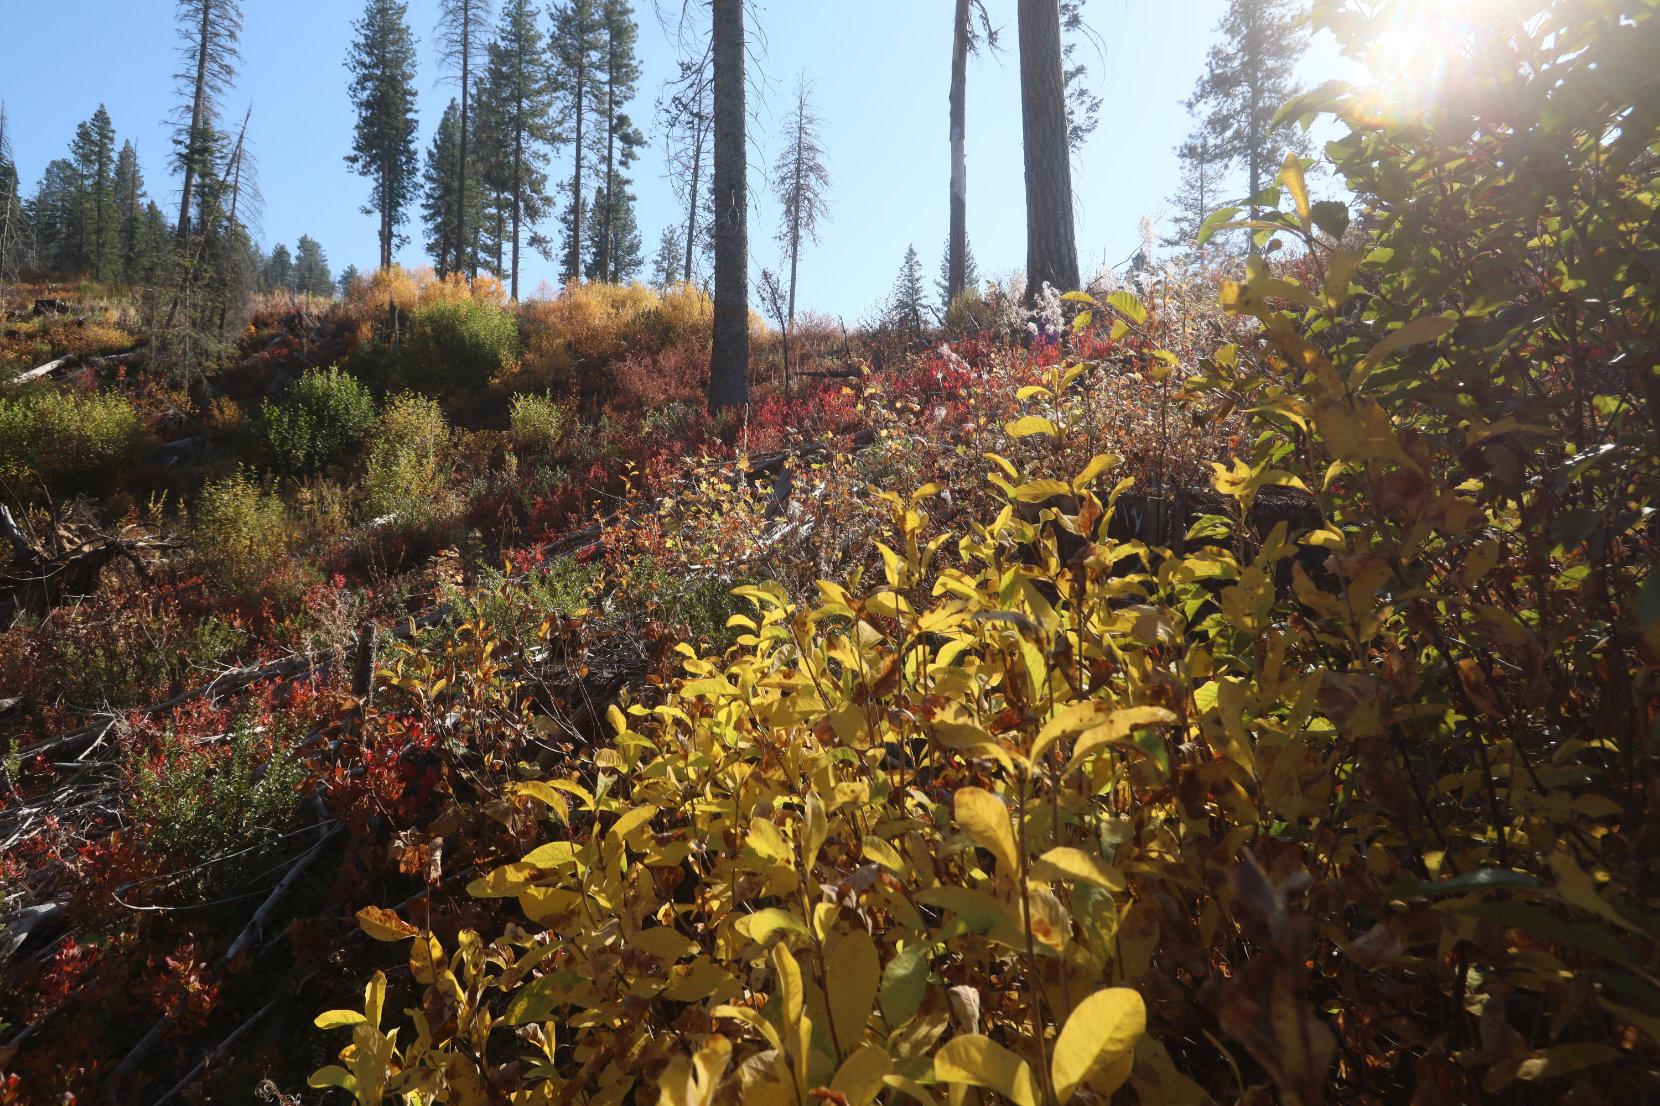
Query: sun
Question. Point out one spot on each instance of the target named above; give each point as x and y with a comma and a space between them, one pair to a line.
1423, 53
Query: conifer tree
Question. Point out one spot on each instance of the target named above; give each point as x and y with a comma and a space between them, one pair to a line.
16, 239
614, 247
96, 217
523, 130
907, 302
53, 215
577, 47
462, 27
1248, 75
620, 77
278, 272
349, 281
383, 66
209, 31
970, 275
729, 350
442, 201
667, 267
311, 269
1200, 192
130, 244
801, 183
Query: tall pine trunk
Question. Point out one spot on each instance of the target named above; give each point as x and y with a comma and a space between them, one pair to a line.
574, 259
518, 197
795, 250
468, 263
729, 355
604, 261
1051, 239
691, 210
198, 108
957, 265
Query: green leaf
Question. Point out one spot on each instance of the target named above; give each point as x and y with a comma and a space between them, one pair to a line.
905, 982
1128, 305
1331, 217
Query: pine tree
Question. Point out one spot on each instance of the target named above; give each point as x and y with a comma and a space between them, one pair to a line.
971, 275
462, 26
1051, 236
441, 204
801, 184
277, 275
383, 66
577, 49
16, 239
523, 130
311, 269
1249, 74
96, 218
349, 282
667, 268
209, 30
53, 215
906, 303
729, 349
614, 236
1200, 192
131, 247
620, 77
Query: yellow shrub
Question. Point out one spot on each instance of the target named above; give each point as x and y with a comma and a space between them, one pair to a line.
592, 326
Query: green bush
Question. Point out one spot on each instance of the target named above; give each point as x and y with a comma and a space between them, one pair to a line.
407, 455
241, 530
458, 344
539, 424
203, 805
140, 656
326, 415
67, 443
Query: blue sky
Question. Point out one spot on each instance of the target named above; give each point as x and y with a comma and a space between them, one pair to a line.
881, 68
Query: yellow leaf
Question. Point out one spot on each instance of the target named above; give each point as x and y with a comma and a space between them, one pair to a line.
1039, 490
768, 842
374, 999
1070, 721
333, 1076
1297, 185
880, 852
764, 923
1117, 728
384, 925
1103, 1028
983, 817
1098, 464
861, 1074
1076, 864
547, 795
788, 973
633, 820
852, 973
338, 1019
1030, 426
979, 1061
